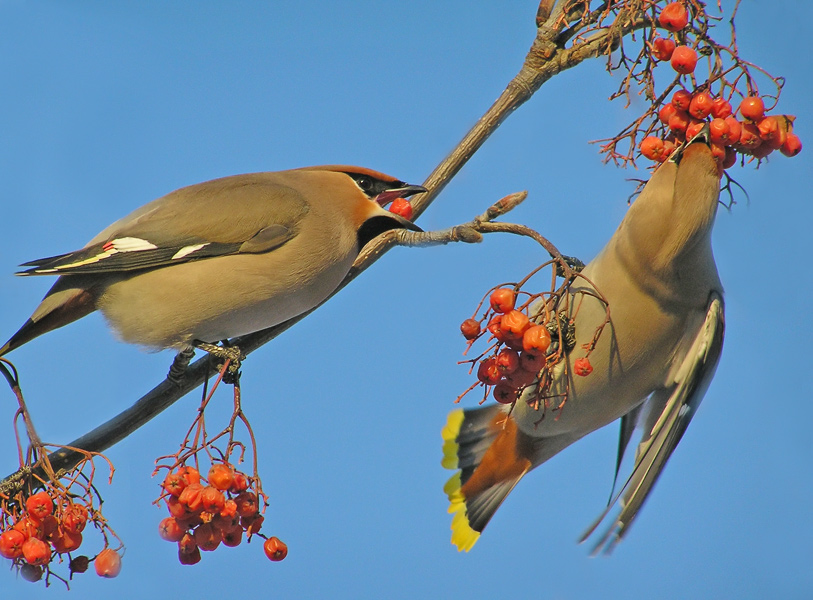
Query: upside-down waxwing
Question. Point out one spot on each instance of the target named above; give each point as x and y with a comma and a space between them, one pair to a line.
651, 366
220, 259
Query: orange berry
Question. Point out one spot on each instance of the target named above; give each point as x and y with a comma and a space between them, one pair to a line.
734, 129
752, 108
221, 476
718, 151
700, 106
684, 60
213, 499
662, 48
674, 16
682, 99
678, 122
470, 328
520, 378
668, 148
504, 393
532, 361
666, 112
792, 145
240, 483
247, 504
749, 138
229, 509
28, 528
718, 129
502, 300
189, 558
206, 537
11, 543
507, 360
536, 339
232, 536
495, 327
252, 525
773, 132
488, 373
652, 147
108, 563
66, 542
514, 322
275, 549
402, 207
174, 483
39, 506
582, 366
36, 552
75, 518
190, 474
720, 108
50, 527
192, 498
170, 530
695, 127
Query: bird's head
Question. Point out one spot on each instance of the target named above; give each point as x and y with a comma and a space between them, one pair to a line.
371, 191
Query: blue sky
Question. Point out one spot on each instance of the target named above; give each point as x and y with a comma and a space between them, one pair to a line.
106, 106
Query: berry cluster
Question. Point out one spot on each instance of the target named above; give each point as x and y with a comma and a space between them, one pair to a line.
204, 516
44, 530
754, 135
527, 342
680, 34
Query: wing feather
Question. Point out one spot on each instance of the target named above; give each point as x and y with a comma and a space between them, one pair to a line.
242, 214
680, 402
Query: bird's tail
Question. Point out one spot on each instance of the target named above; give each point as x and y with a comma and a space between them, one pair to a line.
62, 305
492, 455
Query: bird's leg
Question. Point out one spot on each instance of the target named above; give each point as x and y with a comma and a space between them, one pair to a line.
179, 365
224, 352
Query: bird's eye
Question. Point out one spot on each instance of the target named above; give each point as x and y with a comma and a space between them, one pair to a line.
365, 183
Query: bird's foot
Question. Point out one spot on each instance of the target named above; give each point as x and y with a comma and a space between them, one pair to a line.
224, 353
571, 261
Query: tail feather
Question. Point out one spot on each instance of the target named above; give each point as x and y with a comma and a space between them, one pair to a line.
62, 305
492, 455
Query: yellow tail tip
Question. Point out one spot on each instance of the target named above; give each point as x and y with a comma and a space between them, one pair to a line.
463, 536
449, 434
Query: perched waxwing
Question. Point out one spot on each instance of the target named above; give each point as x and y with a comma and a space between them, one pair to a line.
220, 259
651, 367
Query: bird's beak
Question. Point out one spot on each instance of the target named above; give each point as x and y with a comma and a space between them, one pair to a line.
703, 136
405, 223
385, 198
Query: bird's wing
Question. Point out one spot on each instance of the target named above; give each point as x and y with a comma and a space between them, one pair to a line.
242, 214
628, 424
678, 402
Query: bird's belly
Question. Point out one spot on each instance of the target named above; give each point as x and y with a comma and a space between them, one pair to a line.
173, 306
